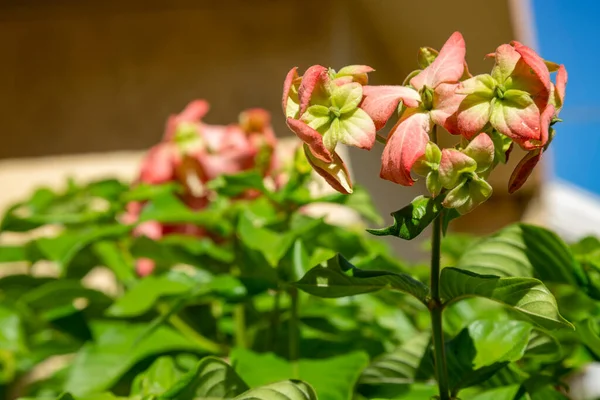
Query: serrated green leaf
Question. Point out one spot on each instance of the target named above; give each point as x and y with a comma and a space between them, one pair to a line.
340, 279
411, 220
528, 296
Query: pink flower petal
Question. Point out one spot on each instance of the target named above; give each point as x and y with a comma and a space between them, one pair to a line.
357, 73
506, 61
406, 143
380, 102
520, 122
545, 120
472, 115
481, 149
159, 164
536, 65
310, 80
452, 165
144, 266
448, 67
151, 229
561, 83
287, 86
194, 111
445, 103
358, 129
334, 172
312, 138
523, 170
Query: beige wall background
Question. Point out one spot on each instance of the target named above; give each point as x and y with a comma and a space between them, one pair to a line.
100, 76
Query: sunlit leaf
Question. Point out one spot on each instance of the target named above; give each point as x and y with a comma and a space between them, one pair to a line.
340, 278
411, 220
528, 296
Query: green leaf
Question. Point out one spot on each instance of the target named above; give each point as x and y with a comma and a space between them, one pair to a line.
178, 249
448, 215
587, 330
523, 250
157, 379
59, 298
13, 254
498, 341
12, 334
100, 364
528, 296
167, 208
64, 247
114, 257
340, 279
333, 378
543, 347
211, 378
398, 367
284, 390
144, 191
461, 352
142, 297
501, 393
237, 184
411, 220
418, 391
271, 244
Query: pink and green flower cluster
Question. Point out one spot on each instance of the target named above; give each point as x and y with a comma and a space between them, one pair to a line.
193, 153
517, 103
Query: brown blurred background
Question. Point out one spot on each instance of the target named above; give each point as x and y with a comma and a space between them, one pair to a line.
101, 76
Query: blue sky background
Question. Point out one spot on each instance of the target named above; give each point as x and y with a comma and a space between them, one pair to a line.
568, 32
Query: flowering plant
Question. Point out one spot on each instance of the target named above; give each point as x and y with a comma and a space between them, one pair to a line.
516, 104
216, 274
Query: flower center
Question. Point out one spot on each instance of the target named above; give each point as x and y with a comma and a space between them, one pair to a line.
427, 97
335, 111
499, 91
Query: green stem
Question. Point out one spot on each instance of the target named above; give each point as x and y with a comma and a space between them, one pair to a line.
190, 332
439, 349
381, 139
294, 332
240, 325
274, 328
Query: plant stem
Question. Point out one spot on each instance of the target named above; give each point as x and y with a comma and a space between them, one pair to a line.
274, 328
190, 332
381, 139
439, 349
240, 325
294, 331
